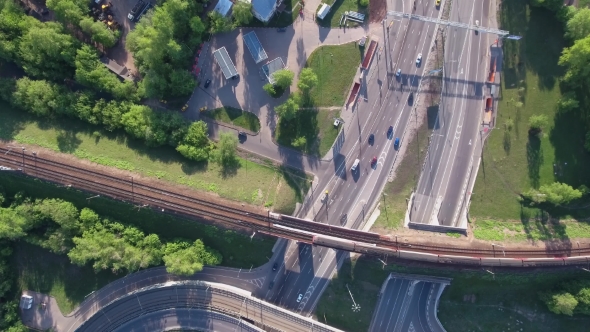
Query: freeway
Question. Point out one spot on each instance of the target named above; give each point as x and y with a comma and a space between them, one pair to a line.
457, 135
408, 303
384, 101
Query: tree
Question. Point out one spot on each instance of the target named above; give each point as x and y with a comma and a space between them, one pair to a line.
587, 142
186, 259
283, 78
288, 110
38, 97
307, 80
562, 303
137, 121
537, 122
576, 59
559, 193
68, 11
242, 12
578, 26
218, 23
99, 32
12, 224
48, 52
63, 213
226, 149
195, 145
270, 89
568, 102
299, 142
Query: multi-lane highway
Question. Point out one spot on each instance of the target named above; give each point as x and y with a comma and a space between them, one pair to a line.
408, 303
442, 187
383, 102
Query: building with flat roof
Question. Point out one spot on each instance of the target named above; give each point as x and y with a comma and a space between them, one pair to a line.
255, 47
265, 9
223, 7
272, 67
224, 61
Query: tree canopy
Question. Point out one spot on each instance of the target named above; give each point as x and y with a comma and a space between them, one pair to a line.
307, 80
183, 258
283, 78
242, 13
288, 110
226, 149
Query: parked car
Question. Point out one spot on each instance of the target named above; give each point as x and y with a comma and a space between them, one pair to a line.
26, 301
437, 3
207, 83
299, 298
137, 10
242, 134
419, 58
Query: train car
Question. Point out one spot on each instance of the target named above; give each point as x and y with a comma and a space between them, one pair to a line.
529, 262
276, 216
418, 256
577, 260
463, 260
332, 242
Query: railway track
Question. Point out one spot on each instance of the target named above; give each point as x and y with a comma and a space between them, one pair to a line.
143, 194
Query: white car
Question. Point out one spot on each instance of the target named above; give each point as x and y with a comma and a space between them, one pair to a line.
26, 301
419, 58
399, 72
299, 298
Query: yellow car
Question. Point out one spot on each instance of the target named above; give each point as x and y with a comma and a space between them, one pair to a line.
437, 3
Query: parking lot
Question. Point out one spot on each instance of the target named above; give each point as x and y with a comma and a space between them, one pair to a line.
118, 52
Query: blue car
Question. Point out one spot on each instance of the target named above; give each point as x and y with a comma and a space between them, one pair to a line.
281, 29
390, 132
396, 143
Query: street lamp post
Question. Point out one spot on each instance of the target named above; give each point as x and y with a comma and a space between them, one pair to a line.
35, 155
355, 306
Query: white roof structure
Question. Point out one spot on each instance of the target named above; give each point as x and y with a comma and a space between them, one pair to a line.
264, 9
254, 46
324, 10
223, 7
271, 67
227, 66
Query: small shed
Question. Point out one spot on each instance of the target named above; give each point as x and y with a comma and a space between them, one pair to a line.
272, 67
324, 10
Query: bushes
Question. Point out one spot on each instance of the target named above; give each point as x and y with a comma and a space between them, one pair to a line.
569, 298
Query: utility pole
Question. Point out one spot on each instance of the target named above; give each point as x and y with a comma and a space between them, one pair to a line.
132, 190
355, 306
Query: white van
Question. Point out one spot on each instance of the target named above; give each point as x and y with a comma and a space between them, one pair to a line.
355, 165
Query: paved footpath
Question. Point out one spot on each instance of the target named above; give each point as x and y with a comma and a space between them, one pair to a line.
294, 46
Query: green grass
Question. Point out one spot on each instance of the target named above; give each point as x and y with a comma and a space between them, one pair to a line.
538, 229
234, 116
336, 67
513, 161
317, 126
338, 9
238, 250
514, 293
393, 202
117, 150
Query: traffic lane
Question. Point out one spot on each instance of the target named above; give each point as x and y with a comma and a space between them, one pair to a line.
300, 255
193, 319
416, 316
387, 303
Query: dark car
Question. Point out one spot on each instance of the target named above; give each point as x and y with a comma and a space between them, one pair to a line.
207, 83
390, 131
396, 143
271, 285
371, 139
411, 98
281, 29
242, 134
275, 266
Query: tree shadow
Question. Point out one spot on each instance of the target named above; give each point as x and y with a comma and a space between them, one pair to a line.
230, 168
534, 154
506, 142
67, 141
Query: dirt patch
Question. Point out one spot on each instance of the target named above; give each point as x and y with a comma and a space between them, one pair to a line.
377, 10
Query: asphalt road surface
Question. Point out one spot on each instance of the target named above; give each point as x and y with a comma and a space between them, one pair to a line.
384, 101
408, 303
442, 185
